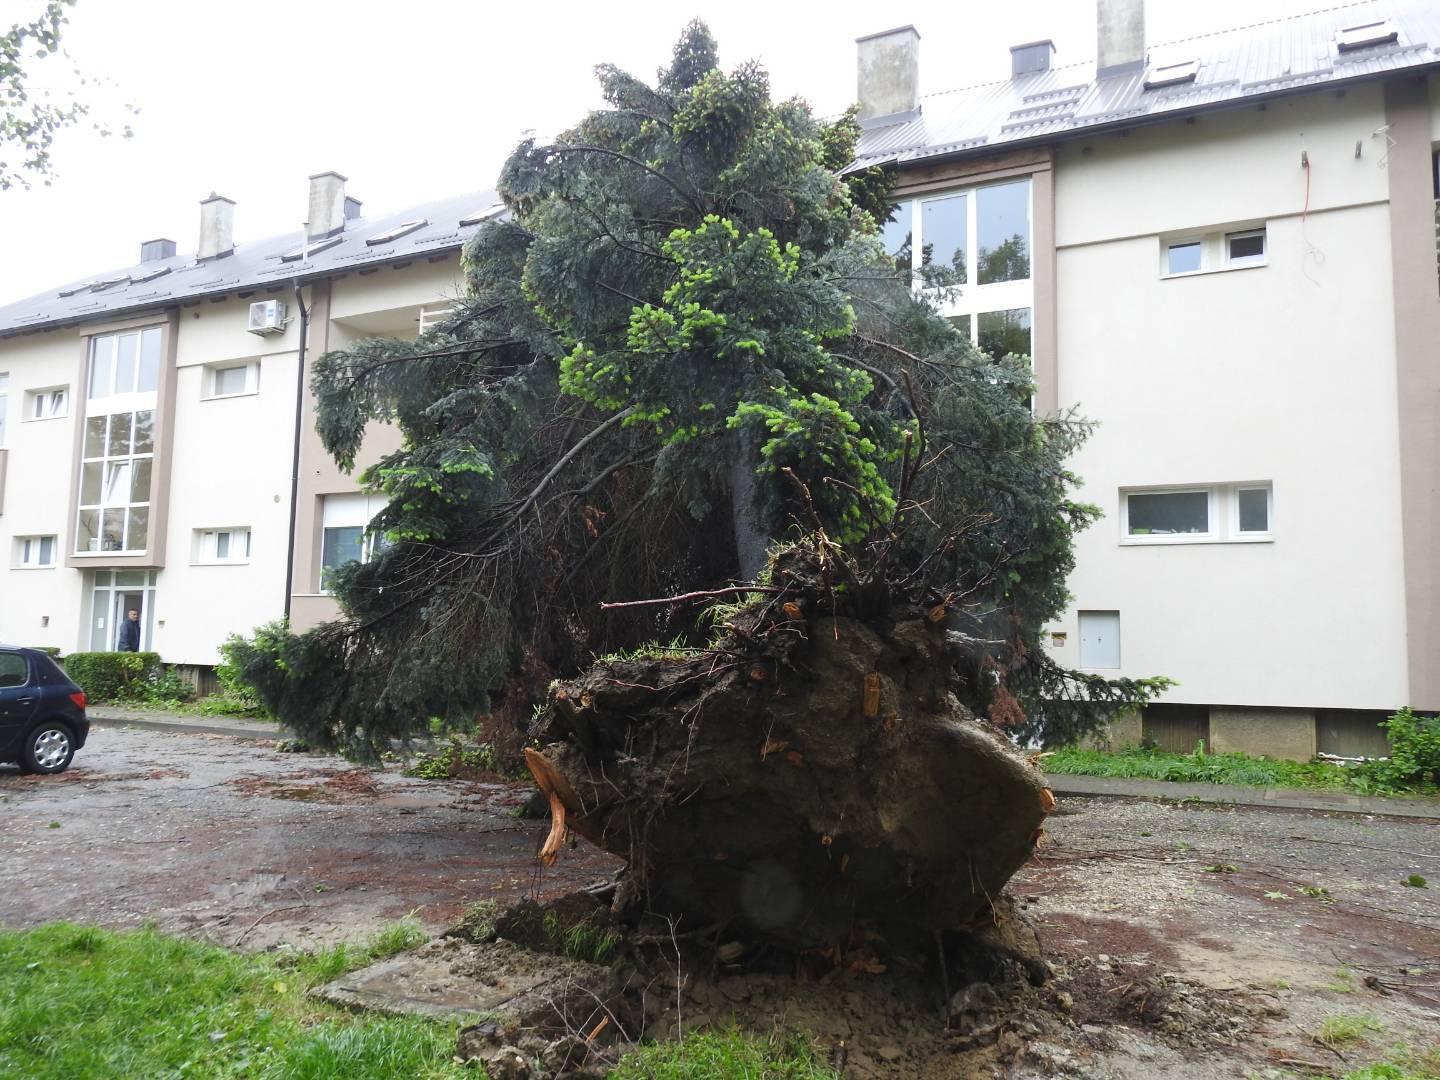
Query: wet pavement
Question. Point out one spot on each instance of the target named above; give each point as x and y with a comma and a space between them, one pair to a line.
231, 840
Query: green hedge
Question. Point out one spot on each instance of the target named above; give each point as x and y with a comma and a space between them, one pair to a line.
114, 676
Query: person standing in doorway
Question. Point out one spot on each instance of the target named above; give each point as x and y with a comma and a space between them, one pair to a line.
130, 633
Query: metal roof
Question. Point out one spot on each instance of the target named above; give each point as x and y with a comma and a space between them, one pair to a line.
1297, 53
257, 264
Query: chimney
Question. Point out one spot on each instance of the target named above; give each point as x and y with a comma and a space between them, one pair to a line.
1120, 37
1031, 58
217, 227
352, 208
328, 205
155, 250
888, 76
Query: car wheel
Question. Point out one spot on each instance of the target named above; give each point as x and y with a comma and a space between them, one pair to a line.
48, 748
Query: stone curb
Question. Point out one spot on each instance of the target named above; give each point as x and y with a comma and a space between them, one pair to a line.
198, 725
1289, 798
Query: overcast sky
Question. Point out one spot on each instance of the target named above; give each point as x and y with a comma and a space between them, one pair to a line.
423, 99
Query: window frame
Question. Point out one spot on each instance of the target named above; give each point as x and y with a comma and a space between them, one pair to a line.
1208, 536
37, 398
1252, 536
4, 404
350, 510
1223, 514
23, 546
211, 380
207, 544
971, 300
1214, 247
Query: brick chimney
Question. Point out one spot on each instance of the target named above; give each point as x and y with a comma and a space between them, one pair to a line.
888, 76
217, 227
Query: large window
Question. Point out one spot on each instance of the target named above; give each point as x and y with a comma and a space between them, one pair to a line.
118, 447
975, 246
1214, 512
347, 536
127, 363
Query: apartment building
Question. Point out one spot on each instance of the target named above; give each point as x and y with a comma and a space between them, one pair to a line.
157, 442
1224, 251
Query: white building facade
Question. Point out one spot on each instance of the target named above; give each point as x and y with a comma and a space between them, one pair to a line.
157, 445
1231, 266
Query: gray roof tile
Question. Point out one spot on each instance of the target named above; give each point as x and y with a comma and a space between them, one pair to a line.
1234, 65
254, 264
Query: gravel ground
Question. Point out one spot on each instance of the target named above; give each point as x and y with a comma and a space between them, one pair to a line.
235, 842
1261, 922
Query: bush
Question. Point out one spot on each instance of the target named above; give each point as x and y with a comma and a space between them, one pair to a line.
138, 678
1414, 749
113, 676
49, 650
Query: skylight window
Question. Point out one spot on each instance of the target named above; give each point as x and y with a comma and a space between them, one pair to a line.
306, 250
1366, 34
403, 229
482, 215
1172, 74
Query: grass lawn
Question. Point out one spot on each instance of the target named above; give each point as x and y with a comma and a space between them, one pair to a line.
1198, 768
78, 1003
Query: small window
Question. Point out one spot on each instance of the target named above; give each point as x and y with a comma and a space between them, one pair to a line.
232, 380
1184, 258
222, 545
50, 404
1168, 513
1252, 511
1245, 248
1099, 639
34, 552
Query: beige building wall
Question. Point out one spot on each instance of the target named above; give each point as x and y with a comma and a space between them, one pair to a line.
386, 303
40, 606
1282, 373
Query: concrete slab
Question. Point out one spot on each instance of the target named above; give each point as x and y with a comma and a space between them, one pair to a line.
455, 980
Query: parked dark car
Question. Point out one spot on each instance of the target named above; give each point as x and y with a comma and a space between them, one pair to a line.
42, 713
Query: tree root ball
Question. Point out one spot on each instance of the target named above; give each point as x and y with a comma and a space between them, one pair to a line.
810, 779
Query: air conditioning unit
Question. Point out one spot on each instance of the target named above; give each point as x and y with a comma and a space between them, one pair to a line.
267, 317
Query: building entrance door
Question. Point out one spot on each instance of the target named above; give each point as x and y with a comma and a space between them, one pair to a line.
114, 594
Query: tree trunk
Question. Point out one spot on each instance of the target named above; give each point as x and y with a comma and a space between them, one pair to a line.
752, 541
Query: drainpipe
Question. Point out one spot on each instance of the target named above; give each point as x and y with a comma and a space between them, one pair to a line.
295, 458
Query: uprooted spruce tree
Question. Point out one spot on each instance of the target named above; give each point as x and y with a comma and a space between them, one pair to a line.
686, 399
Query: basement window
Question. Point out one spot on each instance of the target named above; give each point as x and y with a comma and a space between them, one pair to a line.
1183, 258
1365, 35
